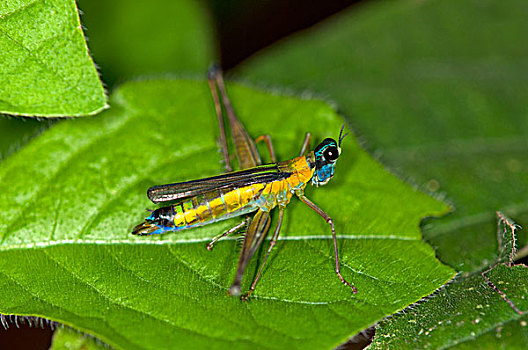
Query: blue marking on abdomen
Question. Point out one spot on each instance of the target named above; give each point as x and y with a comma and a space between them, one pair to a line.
163, 229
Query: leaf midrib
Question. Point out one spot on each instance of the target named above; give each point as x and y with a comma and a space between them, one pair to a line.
64, 242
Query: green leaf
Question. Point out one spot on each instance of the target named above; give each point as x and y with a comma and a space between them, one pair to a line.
510, 335
69, 339
438, 88
133, 38
45, 69
466, 314
480, 310
67, 253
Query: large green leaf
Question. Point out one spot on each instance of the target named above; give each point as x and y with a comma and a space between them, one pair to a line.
478, 310
72, 196
438, 88
45, 69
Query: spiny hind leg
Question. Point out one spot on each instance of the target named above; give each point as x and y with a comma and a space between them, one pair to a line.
214, 71
227, 233
267, 140
245, 149
272, 244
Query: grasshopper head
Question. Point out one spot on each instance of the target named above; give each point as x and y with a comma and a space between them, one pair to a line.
326, 154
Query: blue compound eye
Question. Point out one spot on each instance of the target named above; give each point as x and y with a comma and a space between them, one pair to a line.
331, 154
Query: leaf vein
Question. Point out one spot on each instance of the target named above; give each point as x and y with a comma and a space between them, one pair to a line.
18, 9
120, 304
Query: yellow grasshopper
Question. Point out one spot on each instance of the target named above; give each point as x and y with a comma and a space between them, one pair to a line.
255, 189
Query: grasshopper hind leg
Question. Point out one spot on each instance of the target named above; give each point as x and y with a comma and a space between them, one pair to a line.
253, 238
270, 248
227, 233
